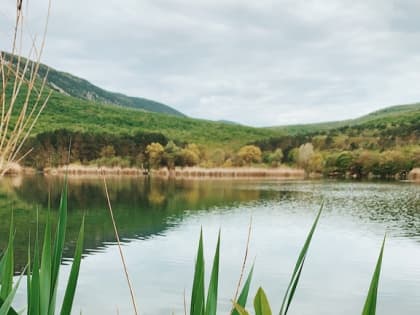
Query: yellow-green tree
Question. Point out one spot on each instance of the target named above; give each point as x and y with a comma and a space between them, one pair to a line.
189, 157
305, 153
275, 157
171, 155
154, 152
218, 157
250, 154
107, 151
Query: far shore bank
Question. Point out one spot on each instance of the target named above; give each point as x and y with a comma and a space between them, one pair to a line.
186, 172
283, 172
414, 175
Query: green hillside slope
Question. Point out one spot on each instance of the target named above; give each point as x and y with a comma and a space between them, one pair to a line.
70, 109
82, 115
70, 85
392, 114
76, 114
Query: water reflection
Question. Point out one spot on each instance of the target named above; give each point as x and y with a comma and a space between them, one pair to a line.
145, 207
159, 221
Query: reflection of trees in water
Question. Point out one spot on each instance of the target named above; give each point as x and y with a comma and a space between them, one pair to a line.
142, 206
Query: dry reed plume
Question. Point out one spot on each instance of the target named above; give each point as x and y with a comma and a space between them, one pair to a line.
22, 96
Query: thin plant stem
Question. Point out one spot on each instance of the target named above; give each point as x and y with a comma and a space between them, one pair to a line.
185, 304
133, 300
244, 262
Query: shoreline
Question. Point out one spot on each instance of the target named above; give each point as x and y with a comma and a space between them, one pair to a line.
283, 173
187, 172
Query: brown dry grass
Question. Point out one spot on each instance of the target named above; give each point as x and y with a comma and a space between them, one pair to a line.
75, 169
414, 174
239, 172
187, 172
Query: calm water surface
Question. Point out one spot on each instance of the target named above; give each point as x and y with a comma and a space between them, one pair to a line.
159, 222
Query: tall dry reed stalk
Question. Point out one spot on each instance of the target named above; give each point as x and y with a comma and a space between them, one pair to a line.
22, 96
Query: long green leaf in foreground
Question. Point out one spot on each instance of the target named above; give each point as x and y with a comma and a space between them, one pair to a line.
6, 307
45, 271
7, 265
11, 310
370, 304
211, 305
58, 246
243, 296
74, 273
197, 295
298, 268
34, 287
261, 305
240, 310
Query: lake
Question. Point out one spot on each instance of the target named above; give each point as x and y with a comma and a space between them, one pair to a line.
159, 222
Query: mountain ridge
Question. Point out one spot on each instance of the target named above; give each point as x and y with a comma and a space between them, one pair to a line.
71, 85
98, 116
383, 113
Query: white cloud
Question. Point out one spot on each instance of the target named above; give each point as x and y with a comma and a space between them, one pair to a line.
255, 62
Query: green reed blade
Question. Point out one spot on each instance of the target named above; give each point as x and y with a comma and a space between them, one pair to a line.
370, 304
211, 305
261, 305
7, 265
197, 295
2, 260
288, 297
58, 246
6, 306
240, 310
11, 310
45, 271
243, 296
34, 295
74, 273
28, 275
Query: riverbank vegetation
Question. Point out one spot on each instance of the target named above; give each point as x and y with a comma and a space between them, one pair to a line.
347, 152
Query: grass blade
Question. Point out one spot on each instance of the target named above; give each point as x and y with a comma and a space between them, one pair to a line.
288, 297
370, 304
7, 265
2, 260
11, 310
28, 275
240, 310
33, 307
6, 306
197, 295
261, 305
45, 271
243, 296
58, 246
211, 305
74, 273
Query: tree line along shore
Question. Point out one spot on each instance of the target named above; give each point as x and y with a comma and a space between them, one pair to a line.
331, 154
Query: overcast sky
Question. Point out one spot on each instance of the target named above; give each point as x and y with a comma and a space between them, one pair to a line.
255, 62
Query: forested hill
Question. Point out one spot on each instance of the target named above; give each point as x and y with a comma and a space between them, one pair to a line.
399, 114
70, 85
74, 114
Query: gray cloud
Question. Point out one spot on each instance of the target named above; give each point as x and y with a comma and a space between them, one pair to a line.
255, 62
